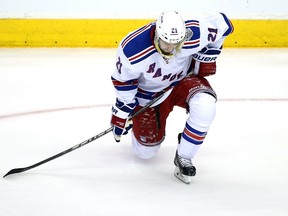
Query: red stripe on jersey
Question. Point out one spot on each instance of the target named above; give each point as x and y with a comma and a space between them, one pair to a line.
144, 52
118, 83
192, 42
192, 24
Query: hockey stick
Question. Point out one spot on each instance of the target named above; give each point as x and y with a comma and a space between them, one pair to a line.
19, 170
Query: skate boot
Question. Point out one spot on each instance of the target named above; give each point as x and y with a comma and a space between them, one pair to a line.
184, 168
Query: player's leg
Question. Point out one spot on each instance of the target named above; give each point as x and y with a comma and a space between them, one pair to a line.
200, 101
148, 131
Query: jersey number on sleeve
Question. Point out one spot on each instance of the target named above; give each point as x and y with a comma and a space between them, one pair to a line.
212, 34
119, 65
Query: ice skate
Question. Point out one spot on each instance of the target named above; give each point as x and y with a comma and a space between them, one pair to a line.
184, 168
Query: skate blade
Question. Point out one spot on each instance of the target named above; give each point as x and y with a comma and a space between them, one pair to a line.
183, 178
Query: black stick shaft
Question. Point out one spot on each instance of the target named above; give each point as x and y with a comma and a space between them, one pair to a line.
19, 170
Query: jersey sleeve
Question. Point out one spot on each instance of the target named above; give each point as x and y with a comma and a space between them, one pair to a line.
124, 78
214, 29
213, 32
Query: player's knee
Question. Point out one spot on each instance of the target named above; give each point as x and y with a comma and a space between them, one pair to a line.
202, 111
142, 151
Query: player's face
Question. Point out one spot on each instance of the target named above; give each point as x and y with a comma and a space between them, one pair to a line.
166, 48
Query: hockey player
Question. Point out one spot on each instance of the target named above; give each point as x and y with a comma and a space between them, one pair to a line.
170, 57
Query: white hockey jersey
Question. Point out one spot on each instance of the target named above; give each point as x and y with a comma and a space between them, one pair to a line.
141, 71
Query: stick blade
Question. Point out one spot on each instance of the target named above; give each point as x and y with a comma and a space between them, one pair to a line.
14, 171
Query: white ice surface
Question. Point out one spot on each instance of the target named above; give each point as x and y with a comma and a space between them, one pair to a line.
53, 99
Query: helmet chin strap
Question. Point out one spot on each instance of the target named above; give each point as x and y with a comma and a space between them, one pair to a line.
163, 53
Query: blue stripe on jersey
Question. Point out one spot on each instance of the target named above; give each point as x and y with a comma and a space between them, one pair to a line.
230, 26
125, 86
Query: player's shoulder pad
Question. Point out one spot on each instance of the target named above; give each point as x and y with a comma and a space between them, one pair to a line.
192, 39
138, 45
